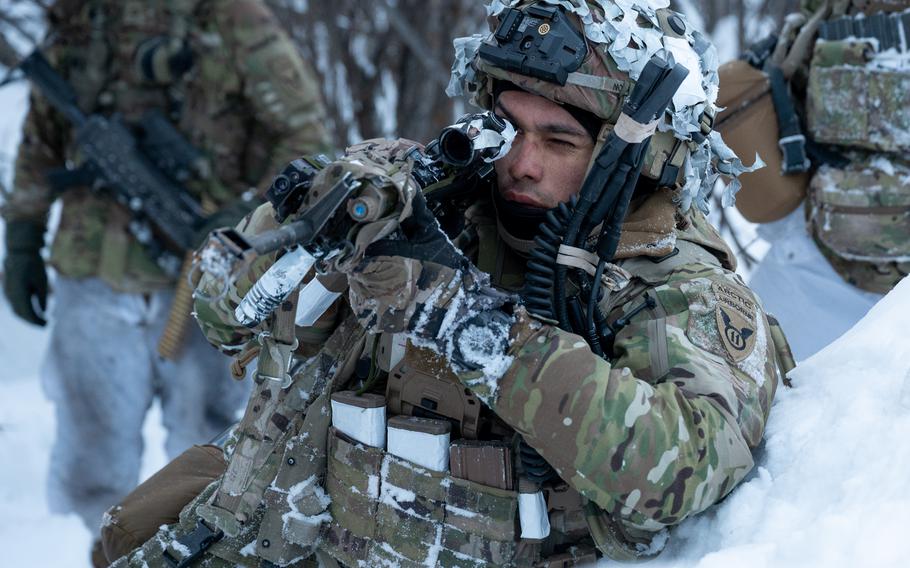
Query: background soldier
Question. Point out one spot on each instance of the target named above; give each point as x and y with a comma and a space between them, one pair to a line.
227, 77
596, 440
830, 94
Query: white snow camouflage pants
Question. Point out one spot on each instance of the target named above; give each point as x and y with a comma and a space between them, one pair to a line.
102, 373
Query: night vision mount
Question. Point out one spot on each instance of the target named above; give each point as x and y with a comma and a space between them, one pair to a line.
541, 43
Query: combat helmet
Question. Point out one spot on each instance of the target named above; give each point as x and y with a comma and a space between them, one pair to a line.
588, 55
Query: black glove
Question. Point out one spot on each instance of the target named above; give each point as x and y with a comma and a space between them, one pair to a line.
423, 240
24, 274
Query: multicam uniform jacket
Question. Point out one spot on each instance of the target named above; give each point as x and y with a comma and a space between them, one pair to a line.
661, 432
248, 103
666, 428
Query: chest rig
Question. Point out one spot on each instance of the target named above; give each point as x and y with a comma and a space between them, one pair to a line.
392, 504
123, 57
859, 207
302, 480
305, 480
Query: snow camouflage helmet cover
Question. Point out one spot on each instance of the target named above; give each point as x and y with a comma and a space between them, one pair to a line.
621, 37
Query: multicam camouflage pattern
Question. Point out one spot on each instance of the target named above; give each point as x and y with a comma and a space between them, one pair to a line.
249, 104
862, 212
605, 102
668, 428
856, 101
151, 553
387, 510
851, 104
860, 219
662, 433
394, 294
878, 277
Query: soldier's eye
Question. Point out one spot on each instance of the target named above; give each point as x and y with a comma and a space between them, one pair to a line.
560, 143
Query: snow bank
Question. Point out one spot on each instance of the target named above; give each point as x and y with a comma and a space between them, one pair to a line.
832, 486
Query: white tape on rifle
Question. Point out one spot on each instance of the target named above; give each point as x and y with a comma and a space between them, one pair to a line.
274, 286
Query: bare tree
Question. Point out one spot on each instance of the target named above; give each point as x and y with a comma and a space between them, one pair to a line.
384, 64
753, 18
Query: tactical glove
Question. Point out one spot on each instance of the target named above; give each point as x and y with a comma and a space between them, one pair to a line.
417, 282
24, 274
404, 274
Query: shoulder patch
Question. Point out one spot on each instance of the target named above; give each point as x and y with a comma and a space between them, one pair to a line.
735, 314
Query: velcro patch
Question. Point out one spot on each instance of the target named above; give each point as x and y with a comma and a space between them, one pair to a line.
735, 314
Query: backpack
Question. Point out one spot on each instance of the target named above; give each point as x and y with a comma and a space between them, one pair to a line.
856, 120
748, 124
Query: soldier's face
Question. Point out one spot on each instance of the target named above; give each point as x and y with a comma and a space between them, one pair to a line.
547, 162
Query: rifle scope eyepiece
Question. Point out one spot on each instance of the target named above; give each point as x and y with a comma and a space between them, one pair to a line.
458, 144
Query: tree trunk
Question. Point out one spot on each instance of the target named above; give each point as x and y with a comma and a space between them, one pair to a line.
384, 64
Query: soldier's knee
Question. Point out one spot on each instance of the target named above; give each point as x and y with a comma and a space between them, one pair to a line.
159, 500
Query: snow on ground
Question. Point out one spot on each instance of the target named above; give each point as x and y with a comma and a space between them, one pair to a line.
29, 534
832, 487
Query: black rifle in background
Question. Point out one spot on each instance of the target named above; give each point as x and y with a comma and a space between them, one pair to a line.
142, 168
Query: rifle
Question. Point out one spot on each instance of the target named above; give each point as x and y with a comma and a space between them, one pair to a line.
457, 161
143, 172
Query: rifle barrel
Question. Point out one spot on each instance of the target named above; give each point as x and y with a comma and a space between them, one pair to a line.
54, 87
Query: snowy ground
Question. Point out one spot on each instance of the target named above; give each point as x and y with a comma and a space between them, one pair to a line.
29, 534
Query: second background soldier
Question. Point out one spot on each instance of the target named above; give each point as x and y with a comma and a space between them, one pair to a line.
226, 76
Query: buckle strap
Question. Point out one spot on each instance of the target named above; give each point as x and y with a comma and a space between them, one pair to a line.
793, 150
792, 142
192, 545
